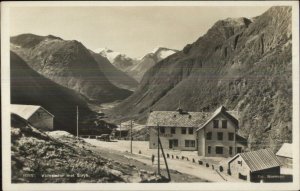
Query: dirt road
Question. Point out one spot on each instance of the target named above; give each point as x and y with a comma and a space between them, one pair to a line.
182, 166
141, 162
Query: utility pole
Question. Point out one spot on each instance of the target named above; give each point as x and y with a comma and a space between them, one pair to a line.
77, 121
166, 163
158, 154
131, 136
120, 131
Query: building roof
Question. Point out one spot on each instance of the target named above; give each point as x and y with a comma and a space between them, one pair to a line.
177, 119
259, 160
223, 110
26, 111
285, 150
181, 118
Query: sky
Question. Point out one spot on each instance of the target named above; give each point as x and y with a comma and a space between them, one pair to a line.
134, 31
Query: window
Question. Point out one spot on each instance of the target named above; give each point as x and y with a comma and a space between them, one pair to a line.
189, 143
175, 143
208, 135
209, 149
224, 124
230, 150
219, 150
239, 150
173, 130
230, 136
220, 136
162, 130
240, 162
243, 177
216, 123
183, 130
191, 130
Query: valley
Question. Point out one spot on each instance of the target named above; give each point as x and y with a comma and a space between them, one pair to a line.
220, 101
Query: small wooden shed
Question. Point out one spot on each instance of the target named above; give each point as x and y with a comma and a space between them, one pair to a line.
255, 166
285, 155
36, 115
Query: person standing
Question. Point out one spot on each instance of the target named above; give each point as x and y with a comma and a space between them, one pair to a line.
153, 158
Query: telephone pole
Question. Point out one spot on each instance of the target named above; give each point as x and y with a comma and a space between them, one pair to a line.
120, 131
77, 121
158, 154
131, 136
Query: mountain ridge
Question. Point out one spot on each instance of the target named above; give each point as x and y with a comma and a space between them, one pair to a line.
244, 64
67, 63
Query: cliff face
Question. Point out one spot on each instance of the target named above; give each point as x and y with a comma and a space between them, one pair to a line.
244, 64
67, 63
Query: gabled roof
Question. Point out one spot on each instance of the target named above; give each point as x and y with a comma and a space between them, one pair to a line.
223, 110
285, 150
177, 119
259, 160
182, 118
26, 111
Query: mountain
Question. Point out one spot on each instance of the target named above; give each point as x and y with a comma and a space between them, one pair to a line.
29, 87
149, 60
120, 61
243, 64
135, 67
67, 63
113, 74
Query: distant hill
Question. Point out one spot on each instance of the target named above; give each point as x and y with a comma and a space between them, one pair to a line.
67, 63
29, 87
244, 64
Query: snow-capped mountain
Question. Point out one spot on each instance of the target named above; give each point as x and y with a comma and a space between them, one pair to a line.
119, 60
149, 60
162, 53
108, 53
132, 66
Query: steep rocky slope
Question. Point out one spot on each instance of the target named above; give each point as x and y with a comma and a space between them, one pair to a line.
149, 60
244, 64
29, 87
67, 63
113, 74
59, 157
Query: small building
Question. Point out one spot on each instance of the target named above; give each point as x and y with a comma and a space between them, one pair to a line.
211, 134
285, 155
36, 115
254, 166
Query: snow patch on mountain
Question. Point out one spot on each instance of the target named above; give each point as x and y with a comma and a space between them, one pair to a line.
108, 53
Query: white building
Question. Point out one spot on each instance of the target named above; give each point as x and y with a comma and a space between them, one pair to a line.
209, 133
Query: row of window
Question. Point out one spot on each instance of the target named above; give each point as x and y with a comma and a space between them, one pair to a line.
190, 130
187, 143
216, 124
220, 136
184, 130
220, 150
